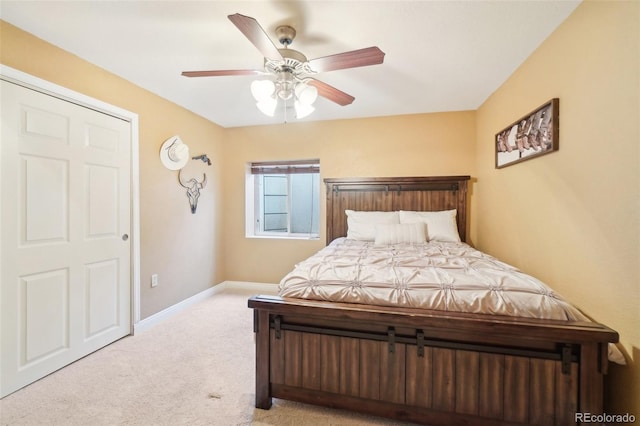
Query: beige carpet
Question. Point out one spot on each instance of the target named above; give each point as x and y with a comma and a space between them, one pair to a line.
196, 368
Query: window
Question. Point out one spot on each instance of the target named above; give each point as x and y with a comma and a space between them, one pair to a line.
283, 199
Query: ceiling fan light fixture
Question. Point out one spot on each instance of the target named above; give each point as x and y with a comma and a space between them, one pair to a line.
285, 91
286, 84
302, 110
269, 93
306, 94
267, 106
262, 90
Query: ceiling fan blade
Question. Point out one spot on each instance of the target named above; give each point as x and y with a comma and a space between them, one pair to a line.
331, 93
256, 35
219, 73
355, 58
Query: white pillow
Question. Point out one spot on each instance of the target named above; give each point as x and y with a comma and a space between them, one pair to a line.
361, 225
440, 226
400, 233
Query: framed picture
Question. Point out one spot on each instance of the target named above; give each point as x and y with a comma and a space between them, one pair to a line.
531, 136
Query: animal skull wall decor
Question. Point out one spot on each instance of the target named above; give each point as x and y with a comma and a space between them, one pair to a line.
193, 189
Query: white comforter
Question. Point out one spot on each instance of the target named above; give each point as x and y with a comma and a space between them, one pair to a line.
441, 276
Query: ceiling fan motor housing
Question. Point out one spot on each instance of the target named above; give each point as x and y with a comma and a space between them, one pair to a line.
286, 34
289, 71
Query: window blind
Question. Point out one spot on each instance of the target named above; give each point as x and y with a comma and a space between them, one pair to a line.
285, 167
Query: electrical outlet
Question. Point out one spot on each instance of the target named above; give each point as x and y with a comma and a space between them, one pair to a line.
154, 280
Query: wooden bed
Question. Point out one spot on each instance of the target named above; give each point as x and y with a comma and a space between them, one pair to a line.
423, 366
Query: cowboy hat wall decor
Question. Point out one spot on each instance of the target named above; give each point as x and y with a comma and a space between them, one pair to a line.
174, 154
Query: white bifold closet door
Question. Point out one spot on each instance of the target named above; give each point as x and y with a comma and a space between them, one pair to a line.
65, 179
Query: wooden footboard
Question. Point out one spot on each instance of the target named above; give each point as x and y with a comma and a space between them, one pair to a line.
429, 367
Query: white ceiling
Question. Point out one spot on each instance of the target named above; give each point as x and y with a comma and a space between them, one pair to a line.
440, 55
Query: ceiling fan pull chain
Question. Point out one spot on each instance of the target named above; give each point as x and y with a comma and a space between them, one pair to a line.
285, 111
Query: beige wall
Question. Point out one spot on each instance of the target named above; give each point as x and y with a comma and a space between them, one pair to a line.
183, 249
571, 217
412, 145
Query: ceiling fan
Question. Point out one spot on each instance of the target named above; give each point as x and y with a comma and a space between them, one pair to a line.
290, 71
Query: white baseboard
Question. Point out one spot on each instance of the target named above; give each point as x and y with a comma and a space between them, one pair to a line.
250, 287
240, 287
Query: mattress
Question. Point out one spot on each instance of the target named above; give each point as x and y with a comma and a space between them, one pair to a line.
435, 275
446, 276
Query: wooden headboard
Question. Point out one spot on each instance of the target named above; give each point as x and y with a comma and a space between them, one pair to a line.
428, 193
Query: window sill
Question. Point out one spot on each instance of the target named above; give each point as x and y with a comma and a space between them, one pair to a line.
284, 237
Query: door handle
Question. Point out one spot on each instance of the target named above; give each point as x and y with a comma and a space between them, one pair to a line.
125, 237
